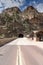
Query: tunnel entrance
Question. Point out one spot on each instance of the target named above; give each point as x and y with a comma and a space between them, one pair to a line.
20, 35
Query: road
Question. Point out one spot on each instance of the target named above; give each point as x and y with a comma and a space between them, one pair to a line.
8, 55
14, 53
32, 55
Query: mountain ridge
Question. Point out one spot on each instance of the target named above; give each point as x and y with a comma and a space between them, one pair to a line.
14, 21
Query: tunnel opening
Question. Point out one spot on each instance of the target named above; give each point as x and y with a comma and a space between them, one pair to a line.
20, 35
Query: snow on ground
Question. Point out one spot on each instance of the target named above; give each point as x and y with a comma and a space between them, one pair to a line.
26, 41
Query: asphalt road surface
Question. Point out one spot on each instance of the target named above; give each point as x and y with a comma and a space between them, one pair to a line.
8, 55
20, 54
32, 55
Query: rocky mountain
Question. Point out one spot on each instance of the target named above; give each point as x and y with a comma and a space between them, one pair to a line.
14, 22
30, 12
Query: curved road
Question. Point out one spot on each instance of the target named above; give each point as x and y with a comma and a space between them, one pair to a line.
15, 54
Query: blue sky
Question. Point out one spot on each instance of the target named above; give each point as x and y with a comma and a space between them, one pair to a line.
22, 4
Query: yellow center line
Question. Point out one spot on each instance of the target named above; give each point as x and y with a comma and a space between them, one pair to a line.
20, 59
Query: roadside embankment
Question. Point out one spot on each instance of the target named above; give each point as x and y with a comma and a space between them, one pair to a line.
4, 41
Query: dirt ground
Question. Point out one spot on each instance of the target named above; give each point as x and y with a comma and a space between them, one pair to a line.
4, 41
